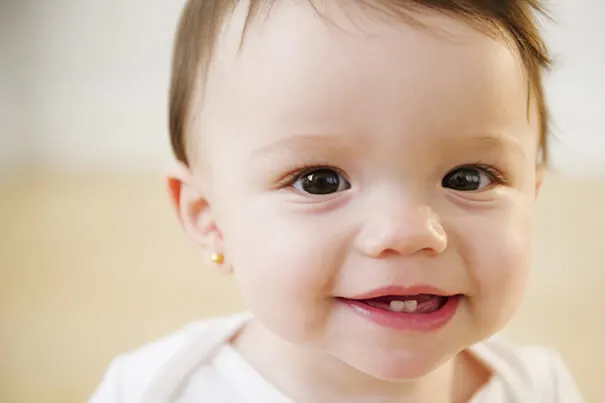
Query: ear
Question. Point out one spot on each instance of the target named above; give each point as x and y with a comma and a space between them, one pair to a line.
195, 214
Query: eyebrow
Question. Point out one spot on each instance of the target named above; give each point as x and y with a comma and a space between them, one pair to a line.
329, 143
500, 143
309, 142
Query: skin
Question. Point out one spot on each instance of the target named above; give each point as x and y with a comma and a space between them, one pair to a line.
418, 104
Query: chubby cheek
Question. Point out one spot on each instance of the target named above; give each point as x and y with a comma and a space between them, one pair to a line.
285, 265
498, 254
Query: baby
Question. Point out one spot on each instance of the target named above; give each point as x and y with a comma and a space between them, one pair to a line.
368, 171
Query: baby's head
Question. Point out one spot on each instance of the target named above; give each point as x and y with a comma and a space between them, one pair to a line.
345, 156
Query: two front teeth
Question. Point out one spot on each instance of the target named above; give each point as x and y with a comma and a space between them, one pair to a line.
408, 306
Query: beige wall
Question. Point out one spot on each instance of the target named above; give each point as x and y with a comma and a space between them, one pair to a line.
85, 83
92, 266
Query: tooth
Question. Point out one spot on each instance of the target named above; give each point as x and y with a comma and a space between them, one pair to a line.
410, 305
397, 306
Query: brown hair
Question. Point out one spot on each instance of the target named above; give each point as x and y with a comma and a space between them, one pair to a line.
202, 20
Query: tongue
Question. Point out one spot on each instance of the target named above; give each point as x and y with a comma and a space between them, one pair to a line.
431, 304
426, 303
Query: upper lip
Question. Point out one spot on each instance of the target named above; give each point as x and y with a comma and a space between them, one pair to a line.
400, 291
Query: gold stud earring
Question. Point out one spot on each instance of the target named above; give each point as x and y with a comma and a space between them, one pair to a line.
217, 258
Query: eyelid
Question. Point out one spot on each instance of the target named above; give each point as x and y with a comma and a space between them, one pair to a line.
290, 178
495, 174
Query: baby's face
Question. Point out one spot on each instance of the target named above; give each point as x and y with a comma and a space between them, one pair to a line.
354, 153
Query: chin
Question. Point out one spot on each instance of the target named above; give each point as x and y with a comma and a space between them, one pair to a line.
399, 366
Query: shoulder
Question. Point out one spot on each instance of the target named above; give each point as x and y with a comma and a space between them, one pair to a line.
533, 371
130, 375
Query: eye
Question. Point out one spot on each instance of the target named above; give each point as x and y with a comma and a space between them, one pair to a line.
321, 182
470, 179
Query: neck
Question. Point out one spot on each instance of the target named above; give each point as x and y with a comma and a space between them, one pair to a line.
309, 375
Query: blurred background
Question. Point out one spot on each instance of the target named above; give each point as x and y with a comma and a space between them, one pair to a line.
92, 261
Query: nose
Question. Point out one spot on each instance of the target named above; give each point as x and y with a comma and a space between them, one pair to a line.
403, 229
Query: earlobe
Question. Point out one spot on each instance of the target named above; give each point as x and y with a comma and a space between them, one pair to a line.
195, 213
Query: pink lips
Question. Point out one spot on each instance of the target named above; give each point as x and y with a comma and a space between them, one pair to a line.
401, 291
419, 322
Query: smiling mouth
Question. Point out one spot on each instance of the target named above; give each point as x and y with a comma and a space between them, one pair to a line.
415, 312
410, 304
414, 304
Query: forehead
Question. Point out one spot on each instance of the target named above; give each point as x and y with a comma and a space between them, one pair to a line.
352, 69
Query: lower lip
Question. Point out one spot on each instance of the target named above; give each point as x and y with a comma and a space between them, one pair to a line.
418, 322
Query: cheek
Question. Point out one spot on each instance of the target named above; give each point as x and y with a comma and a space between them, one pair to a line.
503, 268
499, 258
285, 265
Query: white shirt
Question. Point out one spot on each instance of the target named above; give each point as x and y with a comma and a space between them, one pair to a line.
198, 365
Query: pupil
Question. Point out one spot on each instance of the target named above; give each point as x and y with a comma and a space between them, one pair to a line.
464, 180
321, 182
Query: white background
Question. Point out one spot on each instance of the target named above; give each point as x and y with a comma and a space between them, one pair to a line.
83, 84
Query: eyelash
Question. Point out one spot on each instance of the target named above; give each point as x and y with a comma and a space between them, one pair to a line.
289, 179
495, 174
